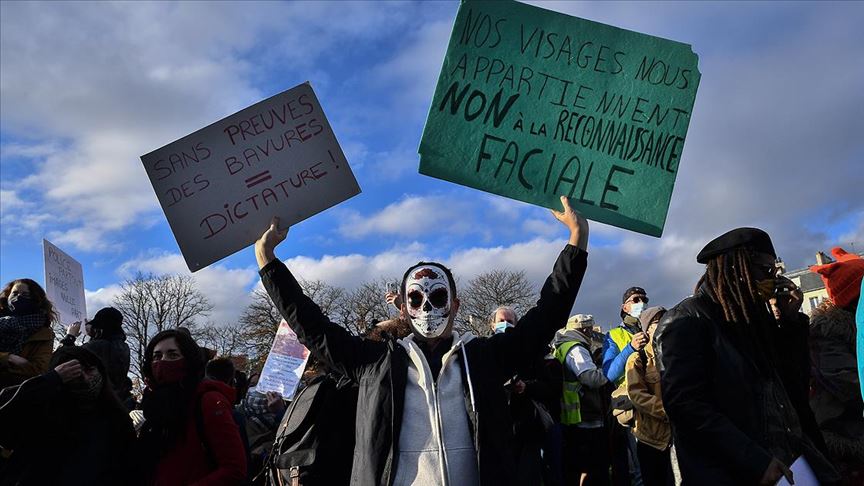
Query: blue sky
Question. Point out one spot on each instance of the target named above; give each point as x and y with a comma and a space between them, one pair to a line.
86, 88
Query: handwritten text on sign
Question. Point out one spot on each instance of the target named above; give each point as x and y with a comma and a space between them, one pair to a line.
284, 365
64, 284
220, 186
533, 104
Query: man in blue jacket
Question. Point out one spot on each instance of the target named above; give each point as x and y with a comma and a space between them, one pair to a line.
622, 341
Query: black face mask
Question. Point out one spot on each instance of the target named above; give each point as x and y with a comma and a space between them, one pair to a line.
21, 305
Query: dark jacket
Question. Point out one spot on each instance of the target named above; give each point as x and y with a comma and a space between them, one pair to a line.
835, 397
114, 353
717, 397
380, 369
55, 442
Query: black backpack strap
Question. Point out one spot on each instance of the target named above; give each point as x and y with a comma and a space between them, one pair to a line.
202, 436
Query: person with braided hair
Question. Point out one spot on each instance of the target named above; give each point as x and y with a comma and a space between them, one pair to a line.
734, 377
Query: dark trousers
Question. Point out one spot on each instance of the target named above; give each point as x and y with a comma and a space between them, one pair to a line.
656, 465
625, 463
586, 451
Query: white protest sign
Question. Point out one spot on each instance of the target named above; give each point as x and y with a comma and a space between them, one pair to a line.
64, 284
284, 365
220, 186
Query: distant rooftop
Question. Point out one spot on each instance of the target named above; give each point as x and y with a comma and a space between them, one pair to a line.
810, 281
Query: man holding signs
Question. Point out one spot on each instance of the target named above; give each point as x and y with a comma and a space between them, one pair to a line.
533, 104
431, 407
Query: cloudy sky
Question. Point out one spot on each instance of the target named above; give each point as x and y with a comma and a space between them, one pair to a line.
775, 139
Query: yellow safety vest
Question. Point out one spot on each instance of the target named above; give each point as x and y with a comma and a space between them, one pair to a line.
622, 338
571, 410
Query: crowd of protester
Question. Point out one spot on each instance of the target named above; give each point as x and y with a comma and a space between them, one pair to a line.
732, 385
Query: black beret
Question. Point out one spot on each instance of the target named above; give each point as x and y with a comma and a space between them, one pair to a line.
753, 238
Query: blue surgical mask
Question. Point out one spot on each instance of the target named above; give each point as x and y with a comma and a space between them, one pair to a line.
502, 326
636, 309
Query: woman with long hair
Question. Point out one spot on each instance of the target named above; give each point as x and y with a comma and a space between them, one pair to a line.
189, 435
66, 427
26, 338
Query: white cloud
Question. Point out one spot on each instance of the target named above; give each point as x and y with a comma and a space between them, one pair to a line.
227, 289
413, 216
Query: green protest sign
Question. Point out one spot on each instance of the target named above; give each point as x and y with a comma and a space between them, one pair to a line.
532, 104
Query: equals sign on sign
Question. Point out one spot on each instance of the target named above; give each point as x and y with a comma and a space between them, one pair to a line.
258, 179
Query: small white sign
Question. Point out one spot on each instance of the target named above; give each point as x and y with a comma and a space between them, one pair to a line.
220, 186
64, 284
285, 364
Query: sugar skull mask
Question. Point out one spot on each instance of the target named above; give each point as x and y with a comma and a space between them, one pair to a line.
427, 299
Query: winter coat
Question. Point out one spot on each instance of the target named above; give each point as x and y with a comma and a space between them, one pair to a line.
217, 458
594, 399
651, 426
114, 353
36, 350
720, 402
835, 400
381, 368
55, 442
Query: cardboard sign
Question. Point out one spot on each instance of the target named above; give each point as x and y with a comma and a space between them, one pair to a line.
220, 186
284, 365
64, 284
533, 104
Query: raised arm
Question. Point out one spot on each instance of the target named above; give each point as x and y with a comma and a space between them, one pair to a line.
530, 339
329, 342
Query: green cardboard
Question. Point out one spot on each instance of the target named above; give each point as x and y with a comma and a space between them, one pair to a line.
533, 104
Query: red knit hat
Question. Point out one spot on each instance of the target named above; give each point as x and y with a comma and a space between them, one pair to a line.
843, 277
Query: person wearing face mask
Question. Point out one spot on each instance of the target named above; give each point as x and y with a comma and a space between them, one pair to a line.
26, 338
108, 341
621, 342
732, 380
532, 393
189, 435
66, 427
432, 408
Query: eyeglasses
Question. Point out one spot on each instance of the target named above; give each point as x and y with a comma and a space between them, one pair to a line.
639, 298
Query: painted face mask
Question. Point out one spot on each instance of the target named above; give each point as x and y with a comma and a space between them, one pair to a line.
636, 309
427, 297
502, 326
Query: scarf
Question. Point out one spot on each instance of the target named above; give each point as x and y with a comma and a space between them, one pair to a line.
16, 330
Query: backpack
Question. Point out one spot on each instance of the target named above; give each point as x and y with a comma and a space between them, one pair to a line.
314, 444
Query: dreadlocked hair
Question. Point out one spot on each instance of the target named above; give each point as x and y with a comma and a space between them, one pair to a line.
728, 276
732, 286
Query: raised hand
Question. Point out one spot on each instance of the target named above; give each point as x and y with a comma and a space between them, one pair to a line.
268, 241
575, 222
74, 329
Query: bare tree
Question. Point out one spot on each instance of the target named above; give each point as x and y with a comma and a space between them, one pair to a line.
150, 304
259, 323
487, 291
260, 320
365, 305
226, 340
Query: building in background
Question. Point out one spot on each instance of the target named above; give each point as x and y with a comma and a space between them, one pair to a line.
809, 282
